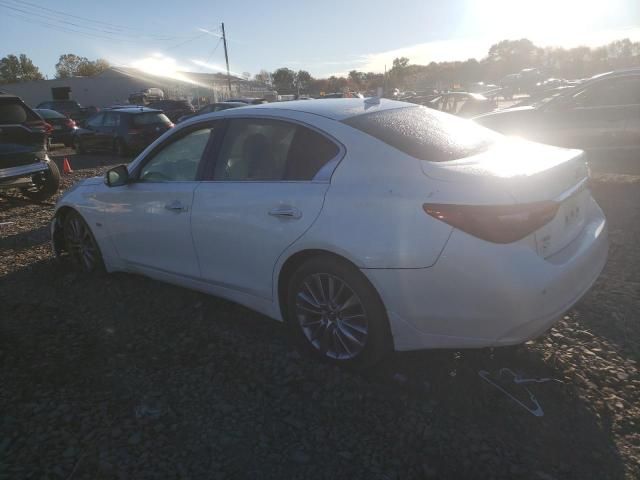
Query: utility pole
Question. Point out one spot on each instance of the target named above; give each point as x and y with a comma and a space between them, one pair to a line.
226, 57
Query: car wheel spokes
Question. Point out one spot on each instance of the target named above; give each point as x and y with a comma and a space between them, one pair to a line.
80, 244
331, 316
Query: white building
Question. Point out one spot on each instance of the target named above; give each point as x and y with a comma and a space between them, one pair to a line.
114, 86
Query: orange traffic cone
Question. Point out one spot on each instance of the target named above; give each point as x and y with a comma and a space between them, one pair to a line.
66, 166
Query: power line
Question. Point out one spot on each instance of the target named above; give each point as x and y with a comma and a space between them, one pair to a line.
58, 13
48, 18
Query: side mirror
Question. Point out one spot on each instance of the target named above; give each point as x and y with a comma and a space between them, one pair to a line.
117, 176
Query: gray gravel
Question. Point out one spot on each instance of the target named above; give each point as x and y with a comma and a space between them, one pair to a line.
118, 376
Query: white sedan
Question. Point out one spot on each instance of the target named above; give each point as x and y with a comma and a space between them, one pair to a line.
366, 225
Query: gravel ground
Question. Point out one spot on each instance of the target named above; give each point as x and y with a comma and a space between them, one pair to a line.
118, 376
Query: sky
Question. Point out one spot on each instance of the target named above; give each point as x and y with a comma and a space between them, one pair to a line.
324, 38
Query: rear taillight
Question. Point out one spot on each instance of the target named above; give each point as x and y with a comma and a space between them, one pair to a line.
495, 223
48, 128
70, 123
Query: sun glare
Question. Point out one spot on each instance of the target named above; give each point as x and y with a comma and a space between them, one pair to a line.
549, 21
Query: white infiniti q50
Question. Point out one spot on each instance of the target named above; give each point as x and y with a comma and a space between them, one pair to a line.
367, 226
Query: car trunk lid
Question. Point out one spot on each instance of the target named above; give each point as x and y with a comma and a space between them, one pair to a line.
529, 173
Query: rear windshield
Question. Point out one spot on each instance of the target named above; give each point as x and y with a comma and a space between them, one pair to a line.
44, 113
425, 133
69, 105
12, 111
150, 118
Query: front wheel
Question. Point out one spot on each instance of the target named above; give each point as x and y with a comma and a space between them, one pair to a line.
336, 313
45, 184
80, 244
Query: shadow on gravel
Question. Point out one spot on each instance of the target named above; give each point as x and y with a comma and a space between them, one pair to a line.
24, 240
117, 375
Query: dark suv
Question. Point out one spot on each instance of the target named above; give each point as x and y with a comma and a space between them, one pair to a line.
122, 130
24, 163
174, 109
69, 108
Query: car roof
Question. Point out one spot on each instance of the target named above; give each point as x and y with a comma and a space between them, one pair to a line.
335, 108
9, 95
132, 110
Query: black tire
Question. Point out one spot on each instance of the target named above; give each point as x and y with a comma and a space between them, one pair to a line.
45, 185
80, 244
121, 148
365, 349
78, 145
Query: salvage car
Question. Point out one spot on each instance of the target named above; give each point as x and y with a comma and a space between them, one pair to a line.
69, 108
212, 107
463, 104
366, 225
62, 127
121, 130
174, 109
602, 114
24, 164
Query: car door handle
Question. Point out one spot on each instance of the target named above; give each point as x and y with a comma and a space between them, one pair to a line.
176, 207
286, 212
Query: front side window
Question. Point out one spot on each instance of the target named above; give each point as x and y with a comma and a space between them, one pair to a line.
95, 121
111, 119
272, 150
179, 160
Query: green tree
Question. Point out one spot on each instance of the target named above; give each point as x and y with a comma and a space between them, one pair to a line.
303, 80
18, 69
284, 81
357, 79
72, 65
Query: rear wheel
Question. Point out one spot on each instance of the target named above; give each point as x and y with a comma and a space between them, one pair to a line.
45, 184
335, 313
80, 244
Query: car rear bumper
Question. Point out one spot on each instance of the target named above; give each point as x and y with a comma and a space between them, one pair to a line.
480, 294
10, 173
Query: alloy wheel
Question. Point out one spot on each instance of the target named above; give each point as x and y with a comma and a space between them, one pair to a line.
80, 244
332, 316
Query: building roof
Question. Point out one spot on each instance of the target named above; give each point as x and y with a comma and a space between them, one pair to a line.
334, 108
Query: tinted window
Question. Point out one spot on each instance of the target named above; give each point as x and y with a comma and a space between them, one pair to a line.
44, 113
13, 111
111, 119
150, 118
613, 92
179, 160
271, 150
425, 133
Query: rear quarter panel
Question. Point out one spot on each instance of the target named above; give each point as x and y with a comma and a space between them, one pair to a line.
372, 212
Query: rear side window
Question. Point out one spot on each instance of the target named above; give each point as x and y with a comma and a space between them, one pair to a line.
150, 118
12, 111
50, 114
272, 150
425, 133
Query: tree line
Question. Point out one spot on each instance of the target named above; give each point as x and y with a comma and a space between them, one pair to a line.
503, 58
20, 68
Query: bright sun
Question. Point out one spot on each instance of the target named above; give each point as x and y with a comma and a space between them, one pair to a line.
550, 21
